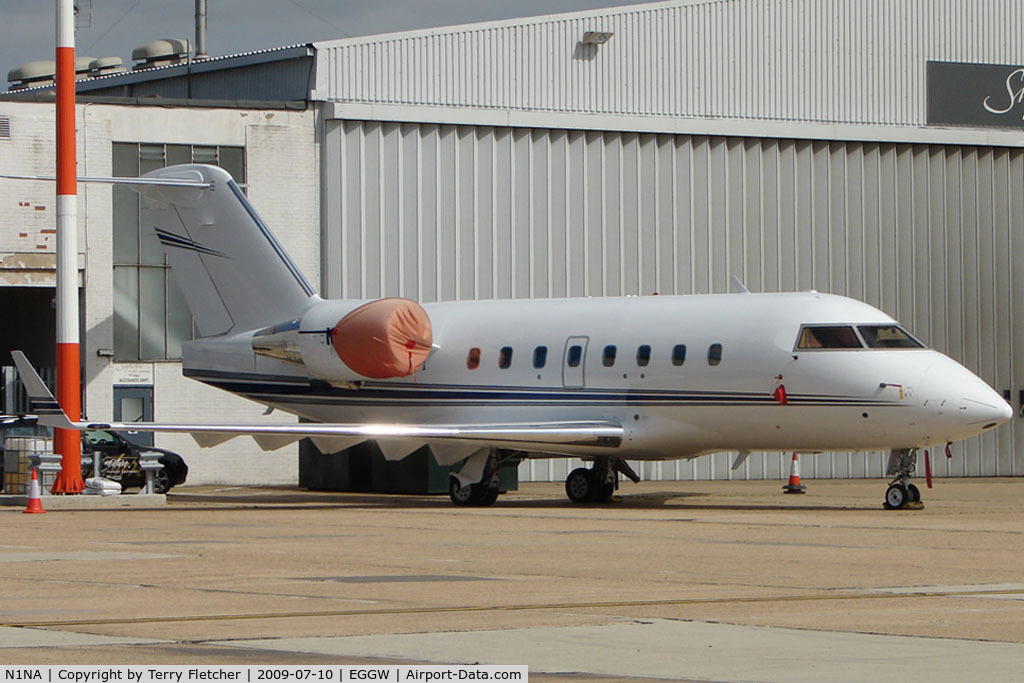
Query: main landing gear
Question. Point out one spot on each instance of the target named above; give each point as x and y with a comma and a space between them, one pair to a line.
477, 483
598, 483
901, 494
473, 495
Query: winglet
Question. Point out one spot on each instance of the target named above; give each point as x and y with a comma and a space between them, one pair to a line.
41, 401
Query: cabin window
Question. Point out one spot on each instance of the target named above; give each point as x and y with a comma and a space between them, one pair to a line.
829, 337
714, 354
575, 356
888, 337
643, 355
505, 357
473, 359
540, 357
678, 354
608, 357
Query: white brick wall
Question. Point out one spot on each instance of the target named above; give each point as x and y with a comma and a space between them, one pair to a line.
27, 208
284, 184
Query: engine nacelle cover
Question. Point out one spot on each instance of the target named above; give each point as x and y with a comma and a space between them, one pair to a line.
384, 338
346, 341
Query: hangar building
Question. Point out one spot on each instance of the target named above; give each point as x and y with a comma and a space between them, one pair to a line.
871, 148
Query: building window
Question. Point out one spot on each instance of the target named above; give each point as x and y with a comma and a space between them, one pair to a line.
643, 355
540, 357
505, 357
608, 357
151, 319
678, 354
473, 358
714, 354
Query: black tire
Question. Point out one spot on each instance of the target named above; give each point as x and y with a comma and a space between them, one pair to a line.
896, 496
579, 486
605, 491
489, 496
161, 481
913, 494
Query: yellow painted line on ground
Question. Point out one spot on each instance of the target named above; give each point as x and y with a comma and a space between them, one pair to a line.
511, 608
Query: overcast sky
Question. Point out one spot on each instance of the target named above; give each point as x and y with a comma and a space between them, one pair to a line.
115, 27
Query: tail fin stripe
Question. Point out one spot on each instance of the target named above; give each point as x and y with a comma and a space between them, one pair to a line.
292, 268
172, 240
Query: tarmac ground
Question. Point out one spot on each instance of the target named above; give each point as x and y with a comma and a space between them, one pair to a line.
711, 581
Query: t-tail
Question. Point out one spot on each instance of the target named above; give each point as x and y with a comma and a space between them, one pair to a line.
234, 273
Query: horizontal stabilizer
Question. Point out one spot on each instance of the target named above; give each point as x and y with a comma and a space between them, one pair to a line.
159, 182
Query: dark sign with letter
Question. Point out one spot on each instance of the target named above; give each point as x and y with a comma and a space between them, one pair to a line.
990, 95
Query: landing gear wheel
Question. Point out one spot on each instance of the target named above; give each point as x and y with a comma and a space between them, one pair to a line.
605, 490
464, 496
896, 496
474, 495
489, 496
913, 494
580, 486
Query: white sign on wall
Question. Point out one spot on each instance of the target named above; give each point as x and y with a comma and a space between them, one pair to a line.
133, 374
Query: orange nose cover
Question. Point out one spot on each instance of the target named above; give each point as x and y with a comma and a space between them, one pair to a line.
384, 338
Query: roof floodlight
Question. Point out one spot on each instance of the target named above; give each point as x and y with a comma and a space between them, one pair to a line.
596, 37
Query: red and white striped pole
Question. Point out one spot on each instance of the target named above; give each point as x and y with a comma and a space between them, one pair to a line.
69, 393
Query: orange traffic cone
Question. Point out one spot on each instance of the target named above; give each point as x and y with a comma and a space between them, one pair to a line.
35, 503
794, 485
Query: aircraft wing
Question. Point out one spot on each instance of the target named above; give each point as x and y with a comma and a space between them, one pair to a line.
396, 440
17, 420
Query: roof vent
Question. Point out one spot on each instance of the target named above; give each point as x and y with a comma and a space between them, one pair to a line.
5, 127
103, 66
82, 67
160, 53
32, 74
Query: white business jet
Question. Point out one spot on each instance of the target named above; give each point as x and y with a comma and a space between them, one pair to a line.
487, 383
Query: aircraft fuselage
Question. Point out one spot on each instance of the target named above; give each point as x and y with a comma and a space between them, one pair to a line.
683, 375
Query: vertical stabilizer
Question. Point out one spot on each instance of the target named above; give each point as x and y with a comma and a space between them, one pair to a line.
233, 272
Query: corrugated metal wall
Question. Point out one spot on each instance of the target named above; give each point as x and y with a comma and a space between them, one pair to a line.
929, 234
850, 61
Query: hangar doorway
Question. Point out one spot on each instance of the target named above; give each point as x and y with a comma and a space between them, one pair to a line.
30, 324
134, 404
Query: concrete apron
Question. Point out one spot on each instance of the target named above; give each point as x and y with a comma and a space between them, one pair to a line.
83, 502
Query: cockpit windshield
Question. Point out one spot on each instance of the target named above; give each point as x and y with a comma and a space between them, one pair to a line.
882, 336
888, 337
829, 337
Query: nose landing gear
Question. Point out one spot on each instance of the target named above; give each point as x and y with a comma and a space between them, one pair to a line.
901, 494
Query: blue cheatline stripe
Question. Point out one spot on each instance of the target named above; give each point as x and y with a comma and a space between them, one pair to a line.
281, 253
380, 395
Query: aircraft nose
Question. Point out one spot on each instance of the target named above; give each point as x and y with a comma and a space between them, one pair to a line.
983, 407
979, 407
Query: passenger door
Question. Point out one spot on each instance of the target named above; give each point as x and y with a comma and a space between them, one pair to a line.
574, 361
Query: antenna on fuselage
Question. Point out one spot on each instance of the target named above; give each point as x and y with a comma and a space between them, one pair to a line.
738, 287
